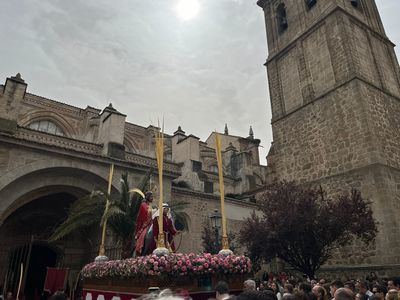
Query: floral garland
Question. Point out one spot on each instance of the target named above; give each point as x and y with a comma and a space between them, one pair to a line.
172, 265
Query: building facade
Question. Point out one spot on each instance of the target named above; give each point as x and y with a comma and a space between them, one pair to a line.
335, 95
52, 154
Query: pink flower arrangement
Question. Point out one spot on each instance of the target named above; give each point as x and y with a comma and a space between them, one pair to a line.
176, 264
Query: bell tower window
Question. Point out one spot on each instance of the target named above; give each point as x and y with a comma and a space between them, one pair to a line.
281, 17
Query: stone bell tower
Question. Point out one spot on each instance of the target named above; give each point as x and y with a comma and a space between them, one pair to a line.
335, 95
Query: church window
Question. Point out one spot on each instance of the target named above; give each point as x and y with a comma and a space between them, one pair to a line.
311, 3
281, 17
46, 126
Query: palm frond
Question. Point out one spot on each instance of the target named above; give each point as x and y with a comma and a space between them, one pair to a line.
112, 211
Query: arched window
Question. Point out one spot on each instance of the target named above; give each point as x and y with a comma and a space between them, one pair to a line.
46, 126
281, 17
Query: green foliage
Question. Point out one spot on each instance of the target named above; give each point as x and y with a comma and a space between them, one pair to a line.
90, 211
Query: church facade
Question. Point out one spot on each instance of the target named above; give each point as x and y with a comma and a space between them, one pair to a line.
334, 85
52, 154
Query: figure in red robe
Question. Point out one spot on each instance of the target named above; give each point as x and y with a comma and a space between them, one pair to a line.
143, 223
168, 228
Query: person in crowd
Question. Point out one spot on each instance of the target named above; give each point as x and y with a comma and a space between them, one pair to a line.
222, 291
261, 287
335, 285
320, 293
343, 294
288, 289
392, 294
361, 297
350, 285
249, 285
322, 282
362, 287
394, 283
372, 277
379, 292
274, 286
304, 292
143, 223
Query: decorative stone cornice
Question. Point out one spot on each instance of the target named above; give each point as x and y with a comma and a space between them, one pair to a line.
50, 142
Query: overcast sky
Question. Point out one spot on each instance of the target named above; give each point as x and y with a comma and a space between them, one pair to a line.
199, 73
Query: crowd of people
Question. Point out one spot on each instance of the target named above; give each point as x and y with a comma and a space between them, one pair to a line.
294, 289
284, 287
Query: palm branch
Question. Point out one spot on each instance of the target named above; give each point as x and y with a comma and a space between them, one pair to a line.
90, 210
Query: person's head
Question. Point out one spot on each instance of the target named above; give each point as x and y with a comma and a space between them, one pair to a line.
221, 290
343, 294
336, 284
322, 281
379, 292
165, 209
249, 285
319, 292
274, 286
149, 196
288, 288
394, 283
392, 294
362, 286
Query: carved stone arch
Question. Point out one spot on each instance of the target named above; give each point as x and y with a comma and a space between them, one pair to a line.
52, 116
131, 144
42, 178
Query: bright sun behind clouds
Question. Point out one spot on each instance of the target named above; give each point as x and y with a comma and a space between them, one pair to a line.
187, 9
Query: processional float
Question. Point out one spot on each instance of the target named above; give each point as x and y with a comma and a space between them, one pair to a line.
196, 274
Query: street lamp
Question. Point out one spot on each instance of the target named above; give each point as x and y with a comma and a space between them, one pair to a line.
216, 225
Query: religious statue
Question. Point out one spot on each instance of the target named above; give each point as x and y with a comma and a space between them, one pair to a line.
168, 228
143, 224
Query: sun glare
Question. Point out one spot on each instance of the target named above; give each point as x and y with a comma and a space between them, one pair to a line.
187, 9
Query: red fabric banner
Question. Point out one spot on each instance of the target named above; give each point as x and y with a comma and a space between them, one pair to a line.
56, 280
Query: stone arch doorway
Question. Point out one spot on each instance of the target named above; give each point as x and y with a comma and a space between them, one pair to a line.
23, 239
